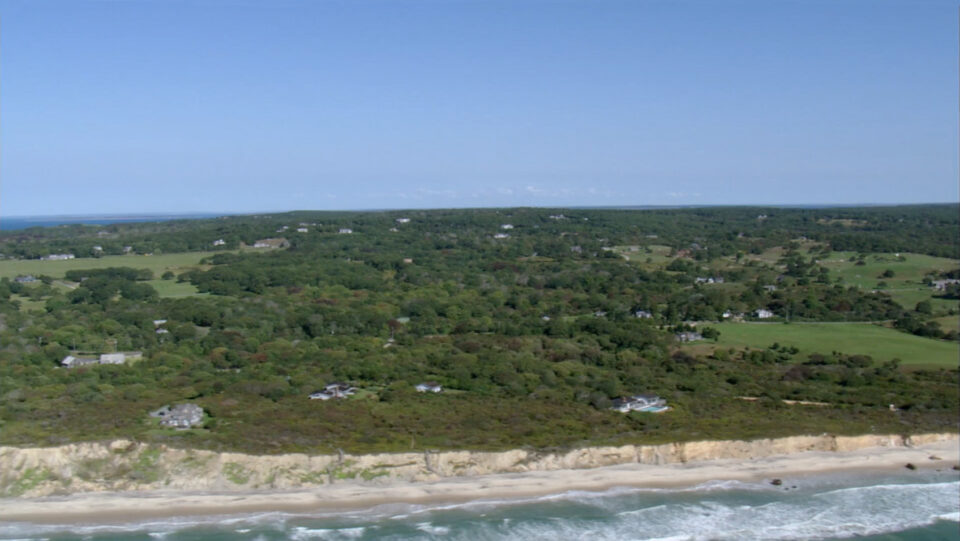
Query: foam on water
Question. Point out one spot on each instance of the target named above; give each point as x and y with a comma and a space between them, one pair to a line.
821, 508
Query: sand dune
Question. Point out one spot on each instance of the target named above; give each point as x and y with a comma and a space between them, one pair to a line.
454, 476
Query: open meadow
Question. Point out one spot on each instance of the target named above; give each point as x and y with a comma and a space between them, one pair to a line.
158, 264
881, 343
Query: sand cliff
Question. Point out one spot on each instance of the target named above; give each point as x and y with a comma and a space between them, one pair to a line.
129, 466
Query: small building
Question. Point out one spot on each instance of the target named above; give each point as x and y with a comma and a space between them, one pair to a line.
58, 257
403, 220
770, 287
219, 242
429, 387
26, 279
272, 243
645, 402
941, 285
181, 416
408, 260
643, 314
71, 361
688, 336
158, 322
763, 313
113, 358
334, 390
506, 226
127, 249
600, 313
345, 231
501, 236
302, 230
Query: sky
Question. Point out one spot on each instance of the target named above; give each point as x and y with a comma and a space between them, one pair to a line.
175, 106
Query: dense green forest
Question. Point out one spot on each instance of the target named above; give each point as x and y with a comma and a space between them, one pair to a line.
533, 320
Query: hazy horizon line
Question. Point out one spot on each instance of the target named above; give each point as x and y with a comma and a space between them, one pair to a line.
207, 213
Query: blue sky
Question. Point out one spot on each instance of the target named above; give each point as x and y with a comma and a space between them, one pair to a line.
113, 106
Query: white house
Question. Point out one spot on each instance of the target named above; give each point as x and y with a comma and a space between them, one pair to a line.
506, 226
641, 402
403, 220
643, 314
429, 387
501, 236
345, 231
763, 313
113, 358
219, 242
302, 230
70, 361
941, 285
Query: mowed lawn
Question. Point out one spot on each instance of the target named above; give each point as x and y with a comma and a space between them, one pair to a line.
881, 343
159, 264
905, 287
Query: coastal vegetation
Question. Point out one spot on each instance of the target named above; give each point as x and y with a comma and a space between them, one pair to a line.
532, 320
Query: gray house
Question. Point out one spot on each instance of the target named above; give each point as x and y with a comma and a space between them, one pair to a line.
688, 336
180, 416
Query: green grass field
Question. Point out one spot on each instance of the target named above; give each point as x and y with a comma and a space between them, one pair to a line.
881, 343
157, 263
949, 323
905, 287
907, 272
658, 256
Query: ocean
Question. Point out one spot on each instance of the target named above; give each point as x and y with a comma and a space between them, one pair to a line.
914, 506
23, 222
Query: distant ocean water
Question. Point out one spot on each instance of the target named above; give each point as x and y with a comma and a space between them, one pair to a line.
23, 222
914, 506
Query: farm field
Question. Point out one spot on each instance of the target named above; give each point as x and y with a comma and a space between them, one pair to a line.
881, 343
905, 286
949, 323
651, 256
159, 264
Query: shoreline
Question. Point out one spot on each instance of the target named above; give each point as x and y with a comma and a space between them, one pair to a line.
128, 507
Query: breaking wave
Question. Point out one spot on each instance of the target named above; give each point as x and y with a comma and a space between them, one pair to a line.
825, 508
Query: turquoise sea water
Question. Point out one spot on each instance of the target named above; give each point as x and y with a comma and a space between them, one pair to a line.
911, 506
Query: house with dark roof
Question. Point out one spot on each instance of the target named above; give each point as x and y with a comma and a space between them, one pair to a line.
334, 390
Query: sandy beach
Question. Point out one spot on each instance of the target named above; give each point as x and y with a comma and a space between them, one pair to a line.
128, 506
